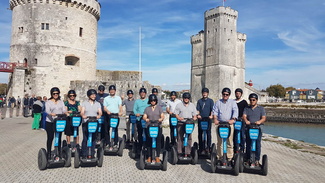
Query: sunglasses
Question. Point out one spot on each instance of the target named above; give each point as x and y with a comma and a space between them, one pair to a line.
72, 95
55, 93
252, 100
225, 94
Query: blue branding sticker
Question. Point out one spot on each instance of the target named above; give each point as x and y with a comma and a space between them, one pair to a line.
153, 131
238, 125
76, 121
92, 127
189, 128
133, 119
224, 132
204, 125
113, 122
253, 133
173, 121
101, 120
143, 123
60, 125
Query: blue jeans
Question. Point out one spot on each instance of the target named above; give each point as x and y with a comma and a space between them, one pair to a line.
249, 145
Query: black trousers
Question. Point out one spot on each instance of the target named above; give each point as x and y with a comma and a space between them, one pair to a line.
50, 136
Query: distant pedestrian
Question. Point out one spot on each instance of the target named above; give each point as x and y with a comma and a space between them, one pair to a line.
18, 106
31, 102
26, 106
37, 108
44, 114
12, 105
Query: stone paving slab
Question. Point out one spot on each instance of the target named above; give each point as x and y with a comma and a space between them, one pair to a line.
19, 147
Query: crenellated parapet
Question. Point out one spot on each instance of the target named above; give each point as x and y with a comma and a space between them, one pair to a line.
241, 37
221, 11
90, 6
198, 38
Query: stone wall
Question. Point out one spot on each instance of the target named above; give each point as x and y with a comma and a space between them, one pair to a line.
295, 115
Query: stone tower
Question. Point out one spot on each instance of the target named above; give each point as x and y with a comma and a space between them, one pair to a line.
218, 54
58, 41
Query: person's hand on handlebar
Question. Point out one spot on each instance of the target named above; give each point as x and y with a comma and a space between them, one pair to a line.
216, 122
98, 116
147, 120
248, 122
231, 121
137, 115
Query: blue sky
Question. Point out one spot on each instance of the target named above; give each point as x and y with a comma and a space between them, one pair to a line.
285, 39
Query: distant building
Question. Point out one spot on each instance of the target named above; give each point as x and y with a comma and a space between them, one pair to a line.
304, 95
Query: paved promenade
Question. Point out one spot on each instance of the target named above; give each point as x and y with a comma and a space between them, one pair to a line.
19, 147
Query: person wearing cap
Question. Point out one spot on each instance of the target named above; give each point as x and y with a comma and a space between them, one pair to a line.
226, 110
53, 107
112, 106
129, 104
139, 106
89, 107
170, 109
204, 107
254, 114
241, 104
183, 111
72, 105
153, 112
155, 91
100, 98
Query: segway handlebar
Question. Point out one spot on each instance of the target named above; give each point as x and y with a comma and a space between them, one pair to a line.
114, 115
91, 118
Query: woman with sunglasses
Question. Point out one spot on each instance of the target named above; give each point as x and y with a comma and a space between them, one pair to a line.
71, 106
53, 107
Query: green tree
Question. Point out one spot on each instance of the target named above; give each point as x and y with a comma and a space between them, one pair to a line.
276, 90
3, 88
290, 88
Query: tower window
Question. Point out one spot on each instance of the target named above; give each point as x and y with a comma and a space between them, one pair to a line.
224, 29
228, 19
80, 31
45, 26
66, 18
20, 29
216, 30
71, 60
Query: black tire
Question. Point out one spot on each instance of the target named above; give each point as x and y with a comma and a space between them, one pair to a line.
195, 155
66, 153
64, 143
213, 162
236, 165
167, 143
42, 159
134, 150
213, 148
241, 162
174, 157
165, 161
121, 147
76, 158
195, 145
141, 161
100, 157
162, 141
264, 165
124, 139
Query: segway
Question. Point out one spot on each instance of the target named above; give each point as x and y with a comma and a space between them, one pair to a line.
240, 151
99, 142
254, 132
89, 159
133, 121
76, 121
136, 149
182, 158
223, 131
115, 149
153, 133
204, 125
173, 127
57, 159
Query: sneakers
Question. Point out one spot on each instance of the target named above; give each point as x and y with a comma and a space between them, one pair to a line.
149, 159
157, 160
257, 163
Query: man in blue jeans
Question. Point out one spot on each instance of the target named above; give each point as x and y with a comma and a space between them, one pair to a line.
254, 114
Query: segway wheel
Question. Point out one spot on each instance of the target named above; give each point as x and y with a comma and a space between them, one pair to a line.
64, 143
167, 143
124, 139
66, 152
195, 145
76, 158
236, 165
213, 148
174, 157
195, 155
264, 165
141, 161
165, 158
121, 147
134, 150
162, 141
42, 159
213, 162
241, 163
100, 157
